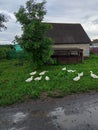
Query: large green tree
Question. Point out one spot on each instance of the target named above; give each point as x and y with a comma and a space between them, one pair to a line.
3, 19
34, 38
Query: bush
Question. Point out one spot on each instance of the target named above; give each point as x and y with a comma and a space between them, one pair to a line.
2, 54
14, 55
3, 51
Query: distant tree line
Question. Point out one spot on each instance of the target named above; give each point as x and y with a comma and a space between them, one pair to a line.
4, 49
9, 52
95, 41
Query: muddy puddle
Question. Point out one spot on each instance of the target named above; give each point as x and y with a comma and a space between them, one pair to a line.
72, 120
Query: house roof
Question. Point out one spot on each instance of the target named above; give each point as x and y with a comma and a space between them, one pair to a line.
68, 33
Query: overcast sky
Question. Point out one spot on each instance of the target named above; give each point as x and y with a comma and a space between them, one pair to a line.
62, 11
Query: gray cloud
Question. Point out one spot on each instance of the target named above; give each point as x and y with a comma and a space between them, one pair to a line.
11, 5
86, 17
95, 21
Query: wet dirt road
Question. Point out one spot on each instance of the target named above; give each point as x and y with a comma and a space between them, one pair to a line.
73, 112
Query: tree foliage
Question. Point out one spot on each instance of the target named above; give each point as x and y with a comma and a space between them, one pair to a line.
3, 19
34, 39
95, 41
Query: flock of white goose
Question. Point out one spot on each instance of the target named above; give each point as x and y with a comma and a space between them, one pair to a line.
37, 78
47, 78
77, 77
80, 74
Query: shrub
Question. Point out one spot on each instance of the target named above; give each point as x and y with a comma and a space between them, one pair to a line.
17, 55
3, 51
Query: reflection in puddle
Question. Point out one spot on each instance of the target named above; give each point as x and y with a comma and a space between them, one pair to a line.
88, 117
17, 128
18, 117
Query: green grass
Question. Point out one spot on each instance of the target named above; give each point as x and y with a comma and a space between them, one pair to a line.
13, 74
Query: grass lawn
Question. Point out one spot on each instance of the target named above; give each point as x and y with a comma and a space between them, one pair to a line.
13, 74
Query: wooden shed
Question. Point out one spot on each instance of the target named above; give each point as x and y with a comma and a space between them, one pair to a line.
68, 55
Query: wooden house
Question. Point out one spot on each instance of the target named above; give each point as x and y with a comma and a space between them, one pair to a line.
71, 43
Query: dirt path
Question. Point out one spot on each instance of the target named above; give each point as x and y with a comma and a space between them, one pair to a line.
74, 112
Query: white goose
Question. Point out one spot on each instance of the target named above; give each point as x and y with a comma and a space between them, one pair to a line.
71, 71
33, 73
47, 78
76, 78
93, 75
64, 68
29, 79
42, 73
38, 78
80, 74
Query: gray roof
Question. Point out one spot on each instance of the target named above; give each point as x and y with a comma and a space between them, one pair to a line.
68, 33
